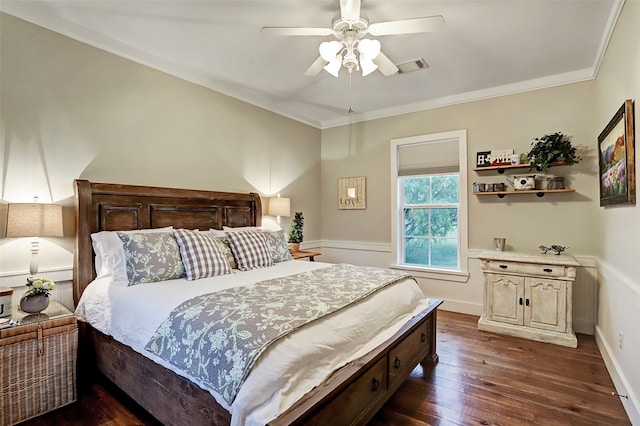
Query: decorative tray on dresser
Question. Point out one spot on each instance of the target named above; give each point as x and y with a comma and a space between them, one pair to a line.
529, 295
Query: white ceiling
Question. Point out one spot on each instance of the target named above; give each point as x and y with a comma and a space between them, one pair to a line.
486, 48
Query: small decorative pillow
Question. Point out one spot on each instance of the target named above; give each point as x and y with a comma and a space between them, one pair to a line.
151, 257
278, 246
223, 243
109, 259
250, 249
201, 254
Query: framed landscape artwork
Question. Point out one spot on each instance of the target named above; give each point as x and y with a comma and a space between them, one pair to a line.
616, 151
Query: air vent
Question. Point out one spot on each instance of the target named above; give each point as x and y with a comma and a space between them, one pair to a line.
412, 65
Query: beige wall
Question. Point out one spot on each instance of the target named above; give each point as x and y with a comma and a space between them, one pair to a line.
72, 111
507, 122
618, 247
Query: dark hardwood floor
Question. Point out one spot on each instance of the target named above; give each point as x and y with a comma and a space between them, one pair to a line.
482, 379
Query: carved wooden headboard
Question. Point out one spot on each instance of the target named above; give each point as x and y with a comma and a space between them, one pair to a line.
114, 207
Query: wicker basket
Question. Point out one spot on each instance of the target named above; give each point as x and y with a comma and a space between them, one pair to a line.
37, 368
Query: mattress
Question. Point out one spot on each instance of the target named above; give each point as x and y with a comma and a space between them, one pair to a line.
290, 367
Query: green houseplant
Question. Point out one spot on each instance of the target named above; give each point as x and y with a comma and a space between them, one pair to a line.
551, 148
295, 233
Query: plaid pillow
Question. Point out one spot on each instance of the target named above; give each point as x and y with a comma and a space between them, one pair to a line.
201, 254
250, 249
278, 246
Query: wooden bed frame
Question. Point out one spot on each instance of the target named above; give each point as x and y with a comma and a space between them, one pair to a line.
351, 395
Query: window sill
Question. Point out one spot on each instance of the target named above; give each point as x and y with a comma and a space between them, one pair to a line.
431, 273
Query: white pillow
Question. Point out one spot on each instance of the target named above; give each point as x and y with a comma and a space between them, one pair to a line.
242, 228
217, 232
109, 252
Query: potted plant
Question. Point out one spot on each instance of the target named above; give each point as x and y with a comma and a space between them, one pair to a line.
36, 298
295, 233
552, 148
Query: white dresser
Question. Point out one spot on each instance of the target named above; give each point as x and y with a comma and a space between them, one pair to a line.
529, 295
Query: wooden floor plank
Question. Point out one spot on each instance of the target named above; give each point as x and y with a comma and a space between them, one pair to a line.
482, 379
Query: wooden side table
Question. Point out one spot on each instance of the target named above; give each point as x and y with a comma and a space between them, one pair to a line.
37, 363
305, 254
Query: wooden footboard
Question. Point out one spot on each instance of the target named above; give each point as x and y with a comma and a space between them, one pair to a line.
352, 395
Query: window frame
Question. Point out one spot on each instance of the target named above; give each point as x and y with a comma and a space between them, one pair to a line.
461, 274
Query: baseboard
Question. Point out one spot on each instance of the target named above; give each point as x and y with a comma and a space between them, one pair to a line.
631, 403
461, 307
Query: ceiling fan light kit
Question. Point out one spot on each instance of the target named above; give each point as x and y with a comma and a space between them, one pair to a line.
351, 50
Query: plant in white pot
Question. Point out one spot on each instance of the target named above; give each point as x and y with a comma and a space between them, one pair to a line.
295, 233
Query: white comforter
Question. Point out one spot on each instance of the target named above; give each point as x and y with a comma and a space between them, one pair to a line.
291, 367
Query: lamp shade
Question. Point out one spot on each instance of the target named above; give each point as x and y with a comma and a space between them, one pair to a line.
279, 207
34, 220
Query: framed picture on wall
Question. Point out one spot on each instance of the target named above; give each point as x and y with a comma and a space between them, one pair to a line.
352, 193
616, 148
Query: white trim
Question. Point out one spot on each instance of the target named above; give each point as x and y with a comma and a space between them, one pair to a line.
435, 274
608, 33
463, 223
351, 245
612, 275
620, 381
476, 95
462, 307
19, 278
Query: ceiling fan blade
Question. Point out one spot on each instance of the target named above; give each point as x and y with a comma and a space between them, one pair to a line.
407, 26
297, 31
316, 67
385, 65
350, 10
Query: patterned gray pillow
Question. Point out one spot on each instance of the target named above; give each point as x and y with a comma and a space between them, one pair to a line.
278, 246
201, 254
151, 257
250, 249
223, 243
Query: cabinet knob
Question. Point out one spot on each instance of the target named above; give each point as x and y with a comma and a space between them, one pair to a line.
520, 301
375, 384
423, 338
548, 270
396, 363
503, 266
527, 302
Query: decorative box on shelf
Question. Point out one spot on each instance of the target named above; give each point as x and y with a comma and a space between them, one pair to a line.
37, 363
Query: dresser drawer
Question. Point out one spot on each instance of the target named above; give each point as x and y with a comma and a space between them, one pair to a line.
403, 357
364, 392
538, 269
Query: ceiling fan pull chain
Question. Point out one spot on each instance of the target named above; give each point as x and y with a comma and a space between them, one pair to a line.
350, 109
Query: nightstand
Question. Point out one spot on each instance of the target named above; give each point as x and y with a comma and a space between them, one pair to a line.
37, 363
305, 254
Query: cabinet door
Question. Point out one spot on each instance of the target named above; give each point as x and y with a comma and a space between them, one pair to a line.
505, 298
545, 304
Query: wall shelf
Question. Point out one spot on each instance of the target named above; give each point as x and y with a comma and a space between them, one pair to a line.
538, 192
501, 169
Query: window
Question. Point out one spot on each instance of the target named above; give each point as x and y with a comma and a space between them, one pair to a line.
430, 220
429, 216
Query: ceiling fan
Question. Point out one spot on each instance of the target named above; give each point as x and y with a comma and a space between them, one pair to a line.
351, 49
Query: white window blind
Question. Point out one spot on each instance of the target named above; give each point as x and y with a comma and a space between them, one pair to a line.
428, 158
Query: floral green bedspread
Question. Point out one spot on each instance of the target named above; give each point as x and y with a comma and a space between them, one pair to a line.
217, 337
